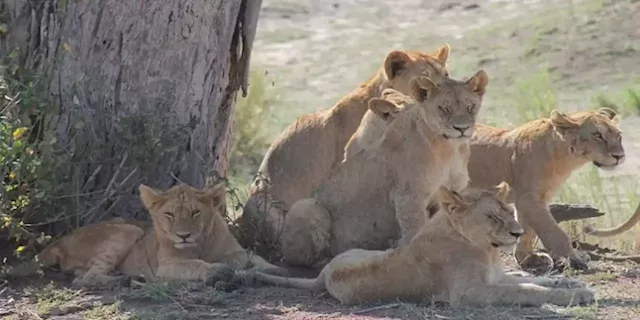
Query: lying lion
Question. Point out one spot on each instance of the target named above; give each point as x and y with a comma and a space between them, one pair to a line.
536, 158
454, 258
310, 148
189, 240
632, 221
380, 194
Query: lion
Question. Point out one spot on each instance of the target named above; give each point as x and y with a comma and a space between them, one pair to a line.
536, 158
188, 240
306, 152
380, 194
382, 111
632, 221
454, 258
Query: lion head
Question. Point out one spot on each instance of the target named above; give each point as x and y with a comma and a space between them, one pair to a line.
482, 216
451, 105
592, 135
401, 66
390, 104
182, 213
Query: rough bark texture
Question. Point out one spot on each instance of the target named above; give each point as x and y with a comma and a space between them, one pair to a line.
144, 90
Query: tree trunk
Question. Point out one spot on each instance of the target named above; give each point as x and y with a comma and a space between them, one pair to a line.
144, 91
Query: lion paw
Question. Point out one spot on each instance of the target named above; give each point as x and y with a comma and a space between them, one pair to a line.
222, 273
568, 283
578, 261
537, 263
582, 296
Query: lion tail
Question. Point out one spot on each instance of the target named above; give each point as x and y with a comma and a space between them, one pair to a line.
314, 284
633, 220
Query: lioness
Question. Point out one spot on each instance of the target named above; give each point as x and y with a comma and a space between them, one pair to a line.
454, 258
189, 240
635, 218
536, 158
380, 194
313, 145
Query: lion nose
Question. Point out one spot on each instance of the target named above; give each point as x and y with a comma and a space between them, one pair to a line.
618, 156
461, 127
517, 234
183, 235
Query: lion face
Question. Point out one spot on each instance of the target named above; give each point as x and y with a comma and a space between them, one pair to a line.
181, 213
450, 107
483, 216
401, 66
593, 135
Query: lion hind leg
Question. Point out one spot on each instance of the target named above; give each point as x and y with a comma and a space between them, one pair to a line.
306, 235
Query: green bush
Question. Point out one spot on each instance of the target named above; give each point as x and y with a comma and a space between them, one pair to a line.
23, 157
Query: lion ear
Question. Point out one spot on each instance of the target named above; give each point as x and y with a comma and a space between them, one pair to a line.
451, 201
478, 83
150, 197
395, 62
215, 194
442, 54
422, 88
383, 108
502, 191
562, 121
611, 114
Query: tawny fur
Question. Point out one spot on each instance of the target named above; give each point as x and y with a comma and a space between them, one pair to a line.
536, 159
304, 154
610, 232
379, 195
205, 250
454, 258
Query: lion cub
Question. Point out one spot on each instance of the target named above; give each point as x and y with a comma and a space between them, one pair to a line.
380, 194
454, 258
189, 240
311, 147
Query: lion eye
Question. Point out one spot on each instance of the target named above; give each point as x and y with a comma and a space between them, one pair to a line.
169, 214
195, 213
444, 110
597, 135
471, 107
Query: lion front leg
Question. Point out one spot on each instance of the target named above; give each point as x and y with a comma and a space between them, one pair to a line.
306, 234
557, 282
528, 294
411, 213
193, 269
535, 216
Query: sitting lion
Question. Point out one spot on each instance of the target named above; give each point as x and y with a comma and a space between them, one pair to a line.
632, 221
381, 193
454, 258
536, 158
307, 151
189, 240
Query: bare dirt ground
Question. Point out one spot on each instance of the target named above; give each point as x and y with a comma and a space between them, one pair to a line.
317, 51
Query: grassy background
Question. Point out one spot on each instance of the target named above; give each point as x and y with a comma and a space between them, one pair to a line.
540, 55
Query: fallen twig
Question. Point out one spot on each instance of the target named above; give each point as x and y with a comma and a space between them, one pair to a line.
596, 257
376, 308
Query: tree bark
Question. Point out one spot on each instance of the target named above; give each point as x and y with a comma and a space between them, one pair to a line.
144, 91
